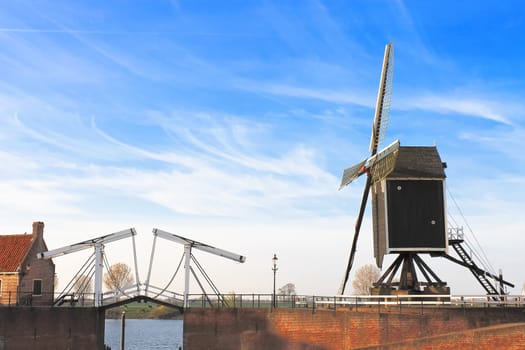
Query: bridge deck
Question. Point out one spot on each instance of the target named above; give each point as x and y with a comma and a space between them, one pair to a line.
141, 299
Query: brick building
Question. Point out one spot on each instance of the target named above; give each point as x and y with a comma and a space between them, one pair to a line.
24, 279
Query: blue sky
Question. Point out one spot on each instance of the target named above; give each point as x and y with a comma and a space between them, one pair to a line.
231, 123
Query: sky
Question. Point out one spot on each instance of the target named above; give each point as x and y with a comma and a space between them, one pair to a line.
230, 123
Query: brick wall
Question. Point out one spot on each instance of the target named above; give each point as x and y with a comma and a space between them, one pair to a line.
504, 337
230, 329
47, 328
8, 290
254, 329
38, 269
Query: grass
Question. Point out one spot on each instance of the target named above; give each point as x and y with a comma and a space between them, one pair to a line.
144, 311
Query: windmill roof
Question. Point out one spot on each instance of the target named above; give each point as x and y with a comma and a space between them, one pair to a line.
418, 162
13, 250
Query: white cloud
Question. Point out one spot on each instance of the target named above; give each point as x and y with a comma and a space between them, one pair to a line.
216, 172
37, 198
478, 106
448, 104
334, 96
508, 145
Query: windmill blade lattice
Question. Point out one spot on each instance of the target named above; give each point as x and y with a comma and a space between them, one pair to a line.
384, 162
383, 100
352, 173
379, 165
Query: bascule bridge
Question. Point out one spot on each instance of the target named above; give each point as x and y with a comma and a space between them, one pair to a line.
94, 267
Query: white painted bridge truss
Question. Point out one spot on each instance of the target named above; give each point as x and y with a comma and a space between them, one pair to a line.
97, 263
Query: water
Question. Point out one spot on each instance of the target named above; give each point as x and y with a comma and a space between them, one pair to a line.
145, 334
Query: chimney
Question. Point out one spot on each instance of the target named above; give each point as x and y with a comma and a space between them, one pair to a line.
38, 229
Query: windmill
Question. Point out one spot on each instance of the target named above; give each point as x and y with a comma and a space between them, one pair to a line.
408, 209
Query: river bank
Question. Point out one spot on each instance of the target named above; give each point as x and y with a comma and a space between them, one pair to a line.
144, 311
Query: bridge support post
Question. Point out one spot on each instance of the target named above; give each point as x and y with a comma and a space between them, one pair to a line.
187, 256
99, 267
151, 261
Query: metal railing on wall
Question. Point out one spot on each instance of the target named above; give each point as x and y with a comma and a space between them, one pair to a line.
352, 302
258, 301
23, 298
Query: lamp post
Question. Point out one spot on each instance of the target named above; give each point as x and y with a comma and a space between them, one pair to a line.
274, 269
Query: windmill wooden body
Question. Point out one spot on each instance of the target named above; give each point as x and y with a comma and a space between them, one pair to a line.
408, 205
408, 215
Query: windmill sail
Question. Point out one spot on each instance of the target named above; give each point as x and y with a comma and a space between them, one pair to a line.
350, 174
384, 162
383, 99
379, 165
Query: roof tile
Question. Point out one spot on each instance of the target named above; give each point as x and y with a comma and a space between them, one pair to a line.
13, 249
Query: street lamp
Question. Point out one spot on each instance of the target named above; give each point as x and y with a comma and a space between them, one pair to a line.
274, 269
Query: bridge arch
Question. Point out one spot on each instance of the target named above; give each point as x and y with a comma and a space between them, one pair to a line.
141, 299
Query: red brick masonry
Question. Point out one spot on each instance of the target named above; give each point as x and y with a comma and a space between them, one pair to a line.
51, 328
429, 328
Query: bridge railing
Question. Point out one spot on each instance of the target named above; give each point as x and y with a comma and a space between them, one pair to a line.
368, 301
166, 295
74, 299
353, 301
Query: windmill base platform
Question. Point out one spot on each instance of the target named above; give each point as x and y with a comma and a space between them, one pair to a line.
408, 282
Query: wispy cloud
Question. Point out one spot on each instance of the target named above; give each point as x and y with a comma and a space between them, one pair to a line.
509, 143
253, 180
57, 65
442, 103
447, 104
414, 41
334, 96
203, 191
216, 172
221, 141
38, 197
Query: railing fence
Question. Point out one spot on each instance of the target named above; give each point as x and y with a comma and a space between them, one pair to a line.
313, 302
